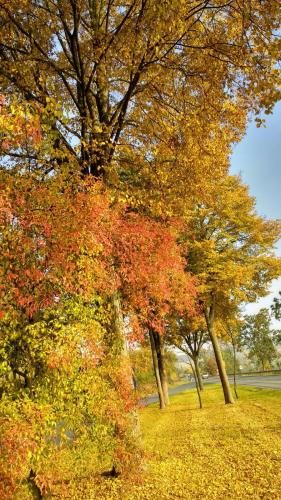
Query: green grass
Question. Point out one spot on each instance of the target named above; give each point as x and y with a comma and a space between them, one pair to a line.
220, 452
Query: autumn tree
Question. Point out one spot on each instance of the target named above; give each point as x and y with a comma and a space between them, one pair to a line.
231, 251
208, 362
143, 369
257, 336
189, 335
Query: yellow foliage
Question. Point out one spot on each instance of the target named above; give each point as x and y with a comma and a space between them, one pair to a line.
231, 248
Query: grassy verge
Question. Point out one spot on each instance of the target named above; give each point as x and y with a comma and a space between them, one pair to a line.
178, 383
219, 452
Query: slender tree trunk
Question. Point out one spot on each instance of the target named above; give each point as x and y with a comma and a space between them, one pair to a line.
198, 374
161, 365
228, 398
196, 383
234, 369
156, 372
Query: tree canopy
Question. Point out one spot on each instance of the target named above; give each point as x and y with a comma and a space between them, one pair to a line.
140, 91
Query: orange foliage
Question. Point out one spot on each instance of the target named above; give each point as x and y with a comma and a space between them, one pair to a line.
17, 441
151, 269
62, 240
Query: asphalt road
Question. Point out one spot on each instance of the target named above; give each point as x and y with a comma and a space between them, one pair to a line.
262, 381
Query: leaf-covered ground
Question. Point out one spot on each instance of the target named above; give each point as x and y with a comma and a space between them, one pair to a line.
219, 452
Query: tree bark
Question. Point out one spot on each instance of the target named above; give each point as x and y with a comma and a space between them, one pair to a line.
234, 368
161, 366
209, 315
156, 372
198, 374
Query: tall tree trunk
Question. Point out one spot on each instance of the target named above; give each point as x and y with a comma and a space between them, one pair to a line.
161, 365
197, 384
209, 315
156, 372
234, 367
198, 374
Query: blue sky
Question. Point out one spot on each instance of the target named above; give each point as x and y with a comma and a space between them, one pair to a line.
258, 158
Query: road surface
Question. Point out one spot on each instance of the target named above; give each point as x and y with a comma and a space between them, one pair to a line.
262, 381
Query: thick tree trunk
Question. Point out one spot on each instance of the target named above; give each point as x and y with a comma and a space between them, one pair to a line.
198, 374
197, 384
228, 398
161, 366
156, 372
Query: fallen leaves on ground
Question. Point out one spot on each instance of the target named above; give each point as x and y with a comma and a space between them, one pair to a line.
219, 452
